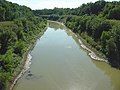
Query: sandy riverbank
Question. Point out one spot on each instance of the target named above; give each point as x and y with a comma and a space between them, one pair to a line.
25, 68
90, 52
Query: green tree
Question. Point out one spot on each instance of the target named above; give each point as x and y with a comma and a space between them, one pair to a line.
113, 53
114, 13
19, 47
2, 14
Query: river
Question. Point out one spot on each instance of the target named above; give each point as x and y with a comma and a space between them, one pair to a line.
59, 63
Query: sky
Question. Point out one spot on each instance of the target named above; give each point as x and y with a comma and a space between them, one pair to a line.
50, 4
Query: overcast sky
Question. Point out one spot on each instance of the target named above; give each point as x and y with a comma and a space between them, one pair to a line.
50, 4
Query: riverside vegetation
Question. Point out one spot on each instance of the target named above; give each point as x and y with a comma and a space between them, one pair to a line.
18, 30
97, 23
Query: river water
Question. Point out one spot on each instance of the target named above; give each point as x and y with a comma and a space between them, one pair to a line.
59, 63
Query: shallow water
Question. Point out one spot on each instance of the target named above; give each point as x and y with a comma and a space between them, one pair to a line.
59, 63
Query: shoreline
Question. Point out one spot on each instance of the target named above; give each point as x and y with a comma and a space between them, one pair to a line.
26, 66
91, 53
26, 61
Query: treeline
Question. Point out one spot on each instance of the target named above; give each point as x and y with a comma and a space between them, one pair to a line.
98, 23
56, 11
110, 10
18, 30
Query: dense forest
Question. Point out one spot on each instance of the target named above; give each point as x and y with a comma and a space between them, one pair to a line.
18, 30
97, 23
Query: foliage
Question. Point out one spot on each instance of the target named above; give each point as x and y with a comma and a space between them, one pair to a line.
10, 11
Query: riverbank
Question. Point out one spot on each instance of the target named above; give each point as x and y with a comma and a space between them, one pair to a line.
25, 68
91, 53
26, 62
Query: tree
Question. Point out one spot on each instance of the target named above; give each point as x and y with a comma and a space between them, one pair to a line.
113, 53
103, 26
19, 47
114, 13
6, 38
104, 39
2, 14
